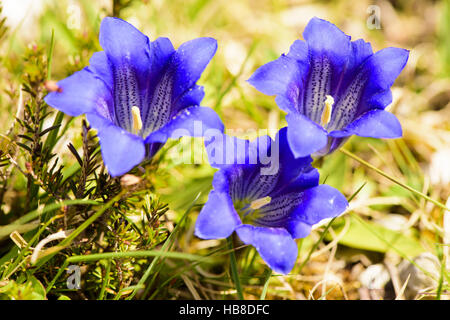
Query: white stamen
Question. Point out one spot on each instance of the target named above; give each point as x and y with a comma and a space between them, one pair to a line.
326, 113
258, 203
137, 120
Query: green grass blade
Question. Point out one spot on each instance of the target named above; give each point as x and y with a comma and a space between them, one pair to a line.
384, 174
266, 285
234, 270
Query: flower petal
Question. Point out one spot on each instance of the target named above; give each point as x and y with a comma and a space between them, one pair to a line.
122, 43
80, 93
281, 77
298, 229
368, 87
194, 122
101, 67
374, 124
189, 61
276, 213
350, 87
275, 245
225, 151
299, 51
382, 68
121, 150
161, 52
316, 204
218, 218
329, 51
192, 97
326, 39
157, 106
304, 136
361, 50
128, 51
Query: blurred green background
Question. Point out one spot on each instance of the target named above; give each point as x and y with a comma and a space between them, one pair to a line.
365, 253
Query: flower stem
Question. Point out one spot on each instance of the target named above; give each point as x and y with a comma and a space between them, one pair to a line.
266, 285
384, 174
234, 269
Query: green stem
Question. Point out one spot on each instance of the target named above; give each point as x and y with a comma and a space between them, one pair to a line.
384, 174
50, 55
128, 254
266, 285
105, 280
234, 269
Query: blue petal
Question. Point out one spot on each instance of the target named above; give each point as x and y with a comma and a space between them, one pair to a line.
374, 124
350, 85
192, 97
317, 203
189, 61
304, 136
121, 150
369, 87
263, 177
299, 51
361, 50
296, 174
298, 229
325, 39
81, 92
254, 164
276, 213
218, 218
157, 107
329, 51
101, 67
225, 151
128, 50
194, 122
172, 88
123, 43
275, 245
382, 68
161, 53
282, 77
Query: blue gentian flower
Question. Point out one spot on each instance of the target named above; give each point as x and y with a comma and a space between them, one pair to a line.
332, 88
138, 93
267, 211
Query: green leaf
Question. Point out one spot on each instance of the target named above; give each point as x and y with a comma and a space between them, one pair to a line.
38, 292
371, 236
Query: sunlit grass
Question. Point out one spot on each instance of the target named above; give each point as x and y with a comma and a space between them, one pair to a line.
403, 213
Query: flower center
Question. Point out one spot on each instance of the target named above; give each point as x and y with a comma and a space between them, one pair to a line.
249, 212
326, 113
137, 120
258, 203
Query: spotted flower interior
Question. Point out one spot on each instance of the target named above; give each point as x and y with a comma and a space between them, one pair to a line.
266, 210
138, 93
331, 88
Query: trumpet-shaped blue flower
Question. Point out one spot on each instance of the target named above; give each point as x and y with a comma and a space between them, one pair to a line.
332, 88
138, 93
267, 211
